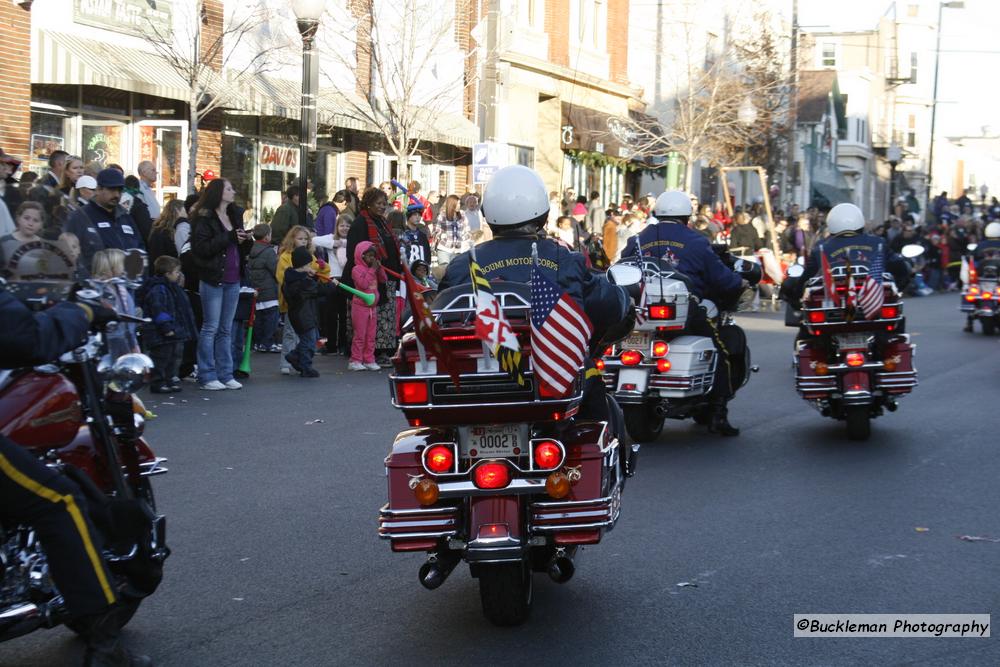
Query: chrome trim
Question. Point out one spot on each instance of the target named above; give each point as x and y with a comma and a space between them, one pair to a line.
573, 526
386, 512
571, 503
576, 515
517, 486
154, 467
417, 536
426, 523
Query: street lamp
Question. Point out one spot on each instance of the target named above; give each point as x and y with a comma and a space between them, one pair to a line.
307, 14
954, 4
747, 116
894, 155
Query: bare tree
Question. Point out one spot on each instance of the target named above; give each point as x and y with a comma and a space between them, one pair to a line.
397, 67
217, 62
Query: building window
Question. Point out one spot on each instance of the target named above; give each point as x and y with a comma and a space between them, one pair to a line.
581, 13
911, 132
913, 67
829, 58
597, 22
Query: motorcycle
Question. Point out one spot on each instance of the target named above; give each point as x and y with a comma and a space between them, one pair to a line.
492, 472
848, 367
659, 371
78, 414
980, 293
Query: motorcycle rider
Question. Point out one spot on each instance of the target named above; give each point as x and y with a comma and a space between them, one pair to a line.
33, 494
671, 238
516, 207
989, 248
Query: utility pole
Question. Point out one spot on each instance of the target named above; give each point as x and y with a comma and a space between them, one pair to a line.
793, 103
954, 4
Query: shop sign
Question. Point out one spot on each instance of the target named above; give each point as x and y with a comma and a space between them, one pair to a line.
487, 158
276, 157
132, 17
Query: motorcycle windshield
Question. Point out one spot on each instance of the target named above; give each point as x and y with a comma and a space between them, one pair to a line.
37, 271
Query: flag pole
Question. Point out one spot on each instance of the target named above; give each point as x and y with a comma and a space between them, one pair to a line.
487, 353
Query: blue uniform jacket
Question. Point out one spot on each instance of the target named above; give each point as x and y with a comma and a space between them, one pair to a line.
98, 229
693, 255
28, 338
861, 249
988, 249
509, 258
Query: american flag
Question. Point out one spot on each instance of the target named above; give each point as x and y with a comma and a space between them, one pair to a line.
640, 309
871, 295
560, 334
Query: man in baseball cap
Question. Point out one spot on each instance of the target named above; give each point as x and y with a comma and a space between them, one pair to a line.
85, 188
103, 223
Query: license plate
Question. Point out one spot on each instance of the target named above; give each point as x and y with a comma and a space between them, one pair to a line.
484, 442
636, 341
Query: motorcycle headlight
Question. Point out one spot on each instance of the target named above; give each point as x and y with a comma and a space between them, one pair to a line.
130, 372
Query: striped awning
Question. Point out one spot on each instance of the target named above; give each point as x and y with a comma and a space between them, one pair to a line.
61, 58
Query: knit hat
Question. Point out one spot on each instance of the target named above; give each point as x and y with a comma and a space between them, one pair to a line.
300, 257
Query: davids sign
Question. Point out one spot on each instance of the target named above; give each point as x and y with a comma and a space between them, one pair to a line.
275, 157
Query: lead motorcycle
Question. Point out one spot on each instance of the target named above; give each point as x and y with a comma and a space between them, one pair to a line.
78, 414
660, 371
493, 473
848, 367
981, 292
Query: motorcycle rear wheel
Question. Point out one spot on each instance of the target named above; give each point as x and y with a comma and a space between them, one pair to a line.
859, 425
505, 591
642, 423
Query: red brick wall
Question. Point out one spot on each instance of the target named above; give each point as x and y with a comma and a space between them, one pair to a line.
211, 33
15, 80
356, 164
557, 27
618, 39
466, 16
210, 144
363, 11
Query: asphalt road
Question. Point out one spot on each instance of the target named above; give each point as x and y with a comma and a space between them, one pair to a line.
276, 560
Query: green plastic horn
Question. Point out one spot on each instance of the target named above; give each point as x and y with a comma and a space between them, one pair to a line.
369, 299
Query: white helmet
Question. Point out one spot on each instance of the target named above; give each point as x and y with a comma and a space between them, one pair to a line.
993, 230
673, 204
514, 195
845, 218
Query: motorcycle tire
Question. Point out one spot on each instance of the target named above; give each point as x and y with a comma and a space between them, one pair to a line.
989, 326
505, 592
859, 425
641, 423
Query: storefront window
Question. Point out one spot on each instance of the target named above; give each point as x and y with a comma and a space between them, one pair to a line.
63, 96
105, 100
102, 142
240, 124
49, 130
239, 165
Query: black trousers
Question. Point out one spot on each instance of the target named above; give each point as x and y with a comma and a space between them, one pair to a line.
190, 356
699, 324
46, 500
334, 321
166, 362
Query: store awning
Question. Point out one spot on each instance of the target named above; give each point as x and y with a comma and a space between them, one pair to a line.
61, 58
591, 130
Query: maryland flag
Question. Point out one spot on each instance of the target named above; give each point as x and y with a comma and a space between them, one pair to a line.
426, 328
493, 328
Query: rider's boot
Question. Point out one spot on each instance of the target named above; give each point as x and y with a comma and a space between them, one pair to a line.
968, 325
104, 646
720, 422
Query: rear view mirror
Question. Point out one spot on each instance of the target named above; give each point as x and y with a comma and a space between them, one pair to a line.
912, 251
625, 275
795, 270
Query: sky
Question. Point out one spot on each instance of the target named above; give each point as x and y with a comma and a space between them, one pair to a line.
968, 91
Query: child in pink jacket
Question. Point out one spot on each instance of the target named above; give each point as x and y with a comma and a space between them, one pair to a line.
366, 274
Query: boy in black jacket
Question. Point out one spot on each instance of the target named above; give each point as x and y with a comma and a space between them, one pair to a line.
302, 291
166, 303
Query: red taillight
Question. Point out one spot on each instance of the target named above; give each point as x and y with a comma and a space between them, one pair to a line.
599, 364
440, 459
973, 289
986, 295
663, 365
631, 357
491, 475
660, 348
411, 393
662, 312
970, 297
890, 312
548, 455
817, 317
855, 359
609, 350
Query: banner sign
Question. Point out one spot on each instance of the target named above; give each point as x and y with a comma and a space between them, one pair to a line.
277, 157
132, 17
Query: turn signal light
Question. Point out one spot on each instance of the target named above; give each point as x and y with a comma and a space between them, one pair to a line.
548, 455
986, 295
855, 359
660, 348
631, 357
557, 485
599, 364
609, 350
817, 317
973, 289
662, 312
890, 312
821, 368
426, 492
440, 459
491, 475
412, 392
970, 297
889, 365
663, 365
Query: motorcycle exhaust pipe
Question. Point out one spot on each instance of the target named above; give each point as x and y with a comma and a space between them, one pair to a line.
660, 410
21, 619
437, 568
561, 567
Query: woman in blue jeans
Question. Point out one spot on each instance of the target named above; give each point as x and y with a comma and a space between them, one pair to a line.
220, 246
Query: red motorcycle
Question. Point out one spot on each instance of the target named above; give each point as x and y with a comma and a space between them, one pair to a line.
493, 472
849, 367
79, 415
